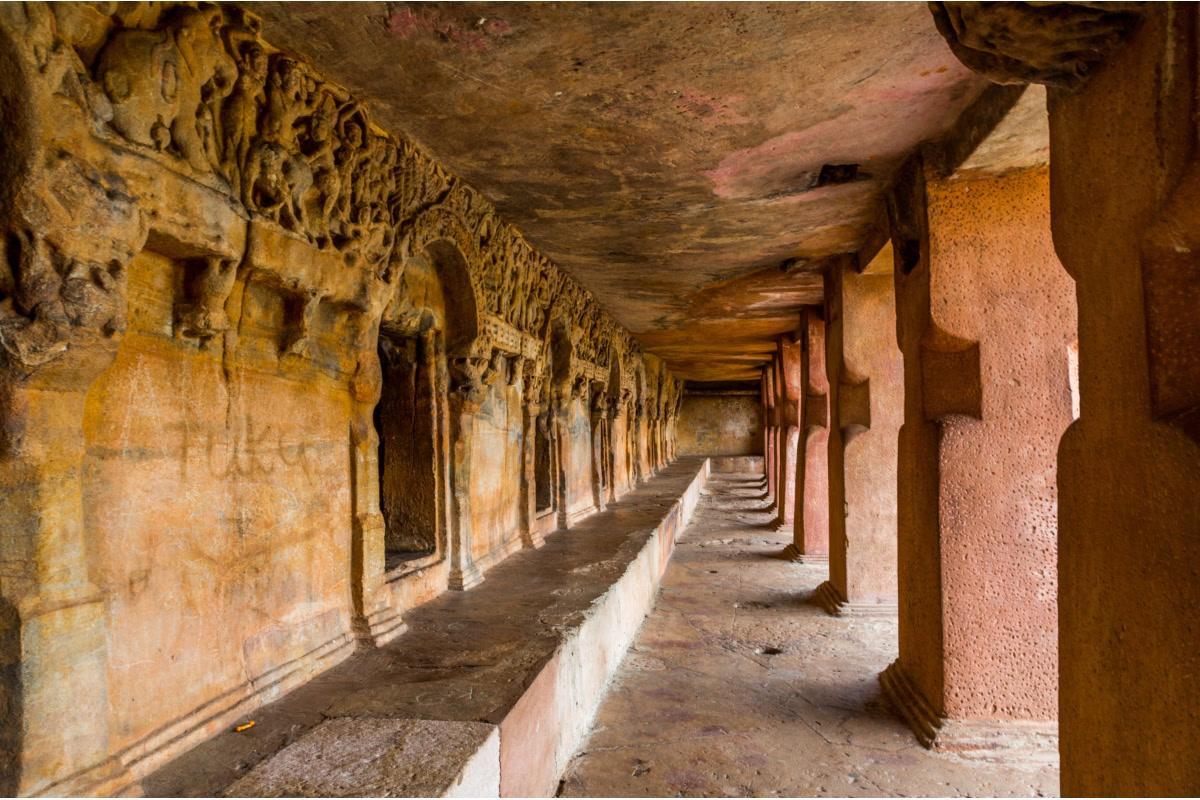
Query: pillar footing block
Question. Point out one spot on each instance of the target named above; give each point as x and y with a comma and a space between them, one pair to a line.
461, 580
792, 553
379, 628
829, 598
779, 525
1027, 740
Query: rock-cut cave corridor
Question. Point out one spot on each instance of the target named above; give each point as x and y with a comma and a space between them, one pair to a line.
599, 399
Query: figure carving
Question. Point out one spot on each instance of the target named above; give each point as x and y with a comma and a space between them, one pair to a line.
202, 314
165, 86
199, 85
53, 294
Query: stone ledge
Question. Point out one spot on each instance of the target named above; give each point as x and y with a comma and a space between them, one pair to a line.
370, 757
1035, 741
829, 598
529, 652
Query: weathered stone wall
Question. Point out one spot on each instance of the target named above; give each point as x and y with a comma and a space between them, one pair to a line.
216, 506
192, 297
727, 424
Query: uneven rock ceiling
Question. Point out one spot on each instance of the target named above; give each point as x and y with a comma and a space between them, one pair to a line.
669, 156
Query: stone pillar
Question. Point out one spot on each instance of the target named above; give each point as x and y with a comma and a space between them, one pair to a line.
986, 321
866, 400
1125, 215
70, 228
1125, 209
54, 679
612, 413
466, 398
373, 621
531, 394
789, 431
765, 406
559, 423
771, 432
810, 540
600, 481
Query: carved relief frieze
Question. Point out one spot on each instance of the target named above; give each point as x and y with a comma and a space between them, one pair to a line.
330, 207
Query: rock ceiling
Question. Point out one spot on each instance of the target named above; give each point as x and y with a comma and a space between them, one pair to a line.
669, 156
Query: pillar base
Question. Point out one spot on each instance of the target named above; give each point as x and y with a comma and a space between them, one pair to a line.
829, 598
792, 553
379, 628
779, 525
463, 579
983, 739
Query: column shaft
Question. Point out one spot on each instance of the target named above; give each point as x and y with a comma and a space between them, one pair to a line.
986, 322
865, 375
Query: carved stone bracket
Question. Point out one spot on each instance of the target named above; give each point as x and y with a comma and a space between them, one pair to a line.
1057, 44
854, 411
951, 382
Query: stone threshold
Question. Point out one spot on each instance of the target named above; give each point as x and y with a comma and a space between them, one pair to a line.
488, 693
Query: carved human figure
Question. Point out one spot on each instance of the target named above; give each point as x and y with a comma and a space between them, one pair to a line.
277, 178
243, 109
320, 156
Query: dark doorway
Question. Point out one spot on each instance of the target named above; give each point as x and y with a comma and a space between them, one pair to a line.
543, 488
406, 422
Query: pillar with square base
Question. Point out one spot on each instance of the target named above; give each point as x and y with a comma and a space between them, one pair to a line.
986, 322
790, 385
866, 387
810, 538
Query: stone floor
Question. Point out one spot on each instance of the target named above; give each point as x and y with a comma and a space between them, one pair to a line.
739, 685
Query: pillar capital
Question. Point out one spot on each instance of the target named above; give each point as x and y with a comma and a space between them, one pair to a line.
1058, 44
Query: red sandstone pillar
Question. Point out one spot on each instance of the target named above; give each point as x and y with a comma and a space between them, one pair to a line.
1125, 209
769, 438
986, 317
810, 541
866, 388
780, 429
790, 383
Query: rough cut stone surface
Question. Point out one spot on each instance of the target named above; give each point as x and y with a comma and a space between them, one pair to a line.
369, 757
866, 391
705, 166
720, 423
987, 326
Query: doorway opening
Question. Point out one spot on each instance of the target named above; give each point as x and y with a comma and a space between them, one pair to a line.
405, 419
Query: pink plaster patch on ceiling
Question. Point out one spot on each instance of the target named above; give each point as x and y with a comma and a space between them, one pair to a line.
864, 133
406, 23
668, 155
